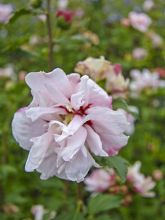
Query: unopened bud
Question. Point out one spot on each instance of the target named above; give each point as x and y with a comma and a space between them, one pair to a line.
124, 189
127, 200
35, 3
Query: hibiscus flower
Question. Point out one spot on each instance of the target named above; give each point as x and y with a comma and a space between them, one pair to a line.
69, 120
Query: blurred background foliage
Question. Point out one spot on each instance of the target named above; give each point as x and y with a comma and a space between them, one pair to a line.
96, 30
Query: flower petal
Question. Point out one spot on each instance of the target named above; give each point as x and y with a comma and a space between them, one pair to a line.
79, 166
38, 151
72, 127
45, 113
24, 129
94, 142
88, 92
107, 120
73, 145
49, 85
113, 143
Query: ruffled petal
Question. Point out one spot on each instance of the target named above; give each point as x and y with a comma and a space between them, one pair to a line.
94, 142
89, 93
97, 96
38, 151
54, 87
107, 120
79, 166
113, 143
24, 129
74, 144
46, 113
69, 130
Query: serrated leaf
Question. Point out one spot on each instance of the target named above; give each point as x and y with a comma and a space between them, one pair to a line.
120, 165
101, 203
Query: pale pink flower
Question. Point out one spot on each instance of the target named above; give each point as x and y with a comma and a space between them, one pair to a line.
157, 40
38, 212
139, 21
143, 80
8, 71
115, 81
96, 68
70, 118
62, 4
141, 184
42, 17
148, 5
5, 12
79, 12
139, 53
100, 180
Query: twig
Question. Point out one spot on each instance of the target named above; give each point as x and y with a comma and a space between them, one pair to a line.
50, 38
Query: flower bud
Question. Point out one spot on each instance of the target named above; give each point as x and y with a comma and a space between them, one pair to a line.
35, 3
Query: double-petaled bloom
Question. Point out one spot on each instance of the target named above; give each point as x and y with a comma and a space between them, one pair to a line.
115, 82
96, 68
69, 120
101, 69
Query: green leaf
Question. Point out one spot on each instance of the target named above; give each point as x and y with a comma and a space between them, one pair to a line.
103, 217
19, 13
120, 103
70, 216
120, 165
101, 203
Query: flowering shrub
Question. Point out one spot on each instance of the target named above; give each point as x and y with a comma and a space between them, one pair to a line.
75, 124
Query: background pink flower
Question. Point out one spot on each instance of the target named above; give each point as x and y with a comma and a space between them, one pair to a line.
100, 180
144, 79
5, 12
141, 184
139, 53
139, 21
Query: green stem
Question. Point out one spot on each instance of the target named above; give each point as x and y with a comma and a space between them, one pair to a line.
50, 38
79, 192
